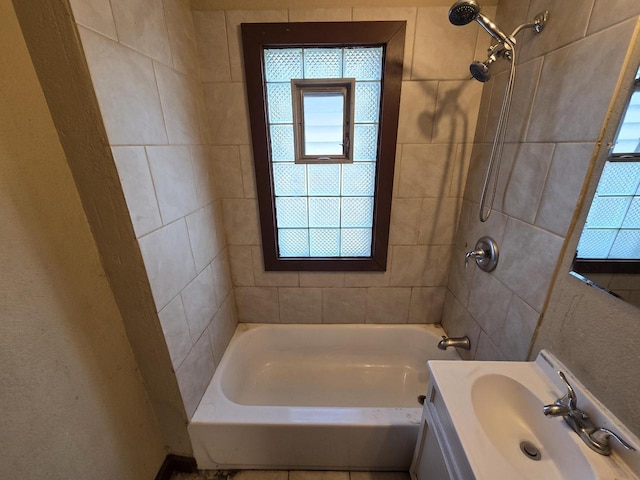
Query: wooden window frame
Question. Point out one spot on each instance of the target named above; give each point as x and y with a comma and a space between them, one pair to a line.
389, 35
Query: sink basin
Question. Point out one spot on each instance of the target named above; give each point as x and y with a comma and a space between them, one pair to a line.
485, 411
509, 414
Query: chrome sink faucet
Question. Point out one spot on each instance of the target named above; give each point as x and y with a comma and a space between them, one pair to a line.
597, 439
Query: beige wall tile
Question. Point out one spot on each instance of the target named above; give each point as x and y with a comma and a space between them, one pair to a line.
321, 279
213, 53
427, 304
241, 265
457, 322
248, 172
300, 305
477, 168
200, 302
241, 221
405, 213
407, 14
608, 12
176, 331
436, 38
457, 108
223, 327
125, 85
137, 185
558, 33
425, 170
257, 304
142, 25
388, 305
438, 221
168, 261
512, 13
528, 257
234, 19
172, 174
518, 330
263, 278
195, 373
203, 228
417, 110
344, 305
203, 174
227, 172
559, 113
222, 276
95, 15
203, 114
412, 266
179, 107
564, 183
487, 350
370, 279
227, 113
182, 38
488, 302
460, 170
460, 277
525, 181
320, 14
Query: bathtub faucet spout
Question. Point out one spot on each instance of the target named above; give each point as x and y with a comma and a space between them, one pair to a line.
458, 342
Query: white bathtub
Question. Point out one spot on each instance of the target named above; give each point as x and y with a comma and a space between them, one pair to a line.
316, 397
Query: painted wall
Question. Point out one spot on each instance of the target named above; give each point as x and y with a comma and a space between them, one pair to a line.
565, 80
73, 402
142, 59
438, 113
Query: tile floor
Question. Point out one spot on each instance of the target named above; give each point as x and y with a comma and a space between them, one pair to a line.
289, 475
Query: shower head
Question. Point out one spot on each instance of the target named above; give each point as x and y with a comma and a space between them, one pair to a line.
466, 11
480, 71
463, 12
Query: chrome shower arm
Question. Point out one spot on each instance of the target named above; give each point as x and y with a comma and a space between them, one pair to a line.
538, 24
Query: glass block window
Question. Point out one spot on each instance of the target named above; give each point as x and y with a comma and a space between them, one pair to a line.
324, 100
612, 229
324, 209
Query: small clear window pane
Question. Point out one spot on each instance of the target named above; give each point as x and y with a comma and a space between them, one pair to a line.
324, 212
358, 179
323, 120
628, 139
291, 212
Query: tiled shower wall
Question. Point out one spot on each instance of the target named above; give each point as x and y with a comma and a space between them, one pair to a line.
565, 80
438, 113
143, 63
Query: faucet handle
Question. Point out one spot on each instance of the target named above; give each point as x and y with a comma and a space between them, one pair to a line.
602, 436
569, 398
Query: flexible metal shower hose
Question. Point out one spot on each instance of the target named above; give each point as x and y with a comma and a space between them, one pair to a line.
493, 169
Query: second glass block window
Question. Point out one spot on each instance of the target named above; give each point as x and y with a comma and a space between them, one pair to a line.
324, 210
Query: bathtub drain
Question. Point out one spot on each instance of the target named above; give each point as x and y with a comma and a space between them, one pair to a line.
530, 450
421, 399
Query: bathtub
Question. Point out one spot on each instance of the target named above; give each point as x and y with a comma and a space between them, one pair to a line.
326, 397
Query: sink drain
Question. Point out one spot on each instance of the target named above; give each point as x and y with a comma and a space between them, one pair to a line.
530, 450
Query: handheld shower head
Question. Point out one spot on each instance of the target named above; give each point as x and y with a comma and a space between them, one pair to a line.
463, 12
466, 11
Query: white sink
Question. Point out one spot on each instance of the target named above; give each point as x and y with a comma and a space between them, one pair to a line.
486, 410
509, 414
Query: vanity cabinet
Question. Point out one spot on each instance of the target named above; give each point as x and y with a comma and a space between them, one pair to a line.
438, 454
